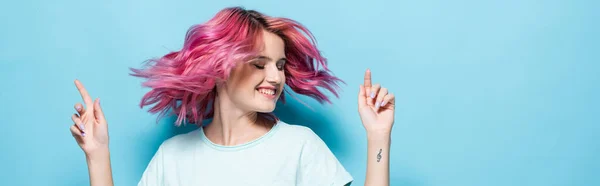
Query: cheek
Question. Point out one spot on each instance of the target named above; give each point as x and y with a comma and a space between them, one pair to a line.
242, 79
247, 84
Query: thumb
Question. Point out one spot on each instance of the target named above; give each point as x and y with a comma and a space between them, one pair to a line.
362, 97
98, 110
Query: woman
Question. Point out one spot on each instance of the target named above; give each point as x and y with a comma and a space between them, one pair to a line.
232, 69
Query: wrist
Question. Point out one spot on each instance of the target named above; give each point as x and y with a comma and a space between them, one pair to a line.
379, 135
101, 154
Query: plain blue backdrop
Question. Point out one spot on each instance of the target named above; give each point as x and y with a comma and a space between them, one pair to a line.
490, 93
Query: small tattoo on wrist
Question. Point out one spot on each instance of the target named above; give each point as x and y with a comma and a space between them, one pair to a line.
379, 156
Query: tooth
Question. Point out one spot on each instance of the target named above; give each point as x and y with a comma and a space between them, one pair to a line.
267, 91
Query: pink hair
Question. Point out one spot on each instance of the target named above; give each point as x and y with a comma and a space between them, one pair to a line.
184, 81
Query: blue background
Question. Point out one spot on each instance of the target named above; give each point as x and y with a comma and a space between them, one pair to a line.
500, 92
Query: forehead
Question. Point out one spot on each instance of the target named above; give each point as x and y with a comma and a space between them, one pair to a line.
272, 46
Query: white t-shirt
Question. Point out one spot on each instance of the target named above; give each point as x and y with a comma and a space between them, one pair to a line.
286, 155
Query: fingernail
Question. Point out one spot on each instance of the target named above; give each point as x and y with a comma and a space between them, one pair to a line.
383, 103
372, 94
83, 134
78, 107
82, 127
377, 105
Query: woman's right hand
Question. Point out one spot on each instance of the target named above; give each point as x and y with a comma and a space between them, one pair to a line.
90, 129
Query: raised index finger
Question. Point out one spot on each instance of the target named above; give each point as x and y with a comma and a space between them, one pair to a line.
84, 94
368, 79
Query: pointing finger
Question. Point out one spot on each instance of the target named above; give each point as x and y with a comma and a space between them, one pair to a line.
84, 94
367, 82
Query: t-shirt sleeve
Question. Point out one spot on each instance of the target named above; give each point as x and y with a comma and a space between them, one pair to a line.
318, 165
153, 175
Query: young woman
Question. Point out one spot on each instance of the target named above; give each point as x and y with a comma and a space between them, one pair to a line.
232, 69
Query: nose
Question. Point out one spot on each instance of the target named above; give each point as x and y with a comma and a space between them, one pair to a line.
273, 74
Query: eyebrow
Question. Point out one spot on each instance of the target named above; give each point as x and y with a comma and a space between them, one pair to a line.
268, 58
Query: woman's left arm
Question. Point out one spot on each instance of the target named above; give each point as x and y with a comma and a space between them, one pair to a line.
376, 107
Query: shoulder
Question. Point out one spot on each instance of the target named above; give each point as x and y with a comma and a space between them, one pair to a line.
180, 142
317, 165
297, 133
309, 142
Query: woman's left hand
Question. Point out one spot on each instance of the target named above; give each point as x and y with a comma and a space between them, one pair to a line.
376, 107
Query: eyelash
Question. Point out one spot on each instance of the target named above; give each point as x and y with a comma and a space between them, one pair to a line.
259, 67
263, 67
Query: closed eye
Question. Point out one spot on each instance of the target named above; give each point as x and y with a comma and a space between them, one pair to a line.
261, 61
281, 64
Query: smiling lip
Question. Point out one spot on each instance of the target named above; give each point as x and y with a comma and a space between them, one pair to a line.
267, 95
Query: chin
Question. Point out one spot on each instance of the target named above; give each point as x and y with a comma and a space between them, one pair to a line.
262, 106
265, 108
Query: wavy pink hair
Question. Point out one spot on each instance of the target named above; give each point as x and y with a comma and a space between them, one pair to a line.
184, 81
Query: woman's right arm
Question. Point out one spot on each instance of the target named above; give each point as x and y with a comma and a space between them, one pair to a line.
376, 107
90, 130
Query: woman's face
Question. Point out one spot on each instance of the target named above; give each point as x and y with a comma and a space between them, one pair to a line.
257, 85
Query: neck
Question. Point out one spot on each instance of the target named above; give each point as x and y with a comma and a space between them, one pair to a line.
232, 126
